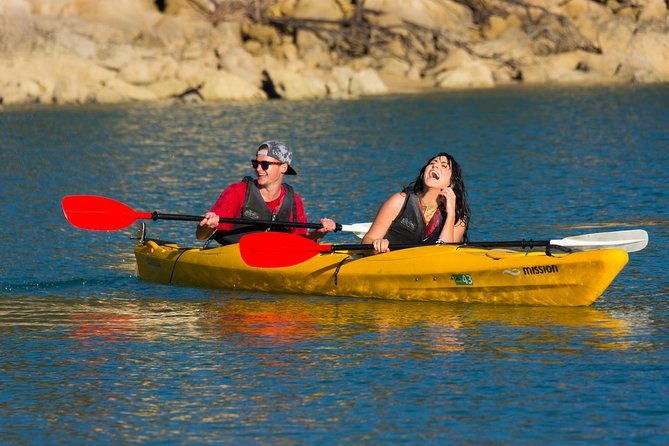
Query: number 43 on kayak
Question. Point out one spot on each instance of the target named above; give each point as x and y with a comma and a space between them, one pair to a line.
572, 271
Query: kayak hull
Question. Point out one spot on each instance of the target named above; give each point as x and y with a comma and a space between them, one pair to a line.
442, 273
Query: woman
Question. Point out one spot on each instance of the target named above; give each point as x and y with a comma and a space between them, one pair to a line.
432, 209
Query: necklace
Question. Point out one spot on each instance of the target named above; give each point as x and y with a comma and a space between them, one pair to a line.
426, 210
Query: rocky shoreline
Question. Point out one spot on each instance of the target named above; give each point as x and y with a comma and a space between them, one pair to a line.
90, 51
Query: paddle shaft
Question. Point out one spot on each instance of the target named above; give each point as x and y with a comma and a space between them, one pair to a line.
629, 240
280, 249
525, 244
105, 214
184, 217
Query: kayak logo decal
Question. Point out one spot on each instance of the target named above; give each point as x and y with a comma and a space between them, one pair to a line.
407, 223
251, 214
512, 272
462, 279
541, 269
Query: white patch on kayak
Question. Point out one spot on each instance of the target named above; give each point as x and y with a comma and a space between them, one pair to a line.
512, 272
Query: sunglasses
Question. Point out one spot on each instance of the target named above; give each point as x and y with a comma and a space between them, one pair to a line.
264, 164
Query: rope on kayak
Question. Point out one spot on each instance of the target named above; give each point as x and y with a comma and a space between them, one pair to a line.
336, 272
174, 265
208, 241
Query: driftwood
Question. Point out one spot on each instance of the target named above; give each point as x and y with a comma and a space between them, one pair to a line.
357, 35
231, 10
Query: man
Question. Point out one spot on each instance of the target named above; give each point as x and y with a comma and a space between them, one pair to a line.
265, 198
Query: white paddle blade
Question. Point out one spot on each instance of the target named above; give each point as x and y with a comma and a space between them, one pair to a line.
359, 229
631, 241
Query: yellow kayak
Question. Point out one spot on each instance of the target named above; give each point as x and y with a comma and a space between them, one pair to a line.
444, 273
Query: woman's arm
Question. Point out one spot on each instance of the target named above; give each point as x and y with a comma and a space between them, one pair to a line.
384, 218
452, 231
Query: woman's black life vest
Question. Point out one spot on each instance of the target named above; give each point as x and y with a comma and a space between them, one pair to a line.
255, 208
409, 226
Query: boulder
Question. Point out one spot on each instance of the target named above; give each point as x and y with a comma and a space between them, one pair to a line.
141, 14
179, 8
576, 9
195, 72
318, 9
432, 14
389, 20
312, 50
291, 85
255, 48
566, 68
59, 77
456, 57
223, 86
614, 36
12, 94
604, 64
393, 66
366, 83
287, 52
174, 33
100, 32
472, 75
23, 91
230, 33
16, 28
169, 88
82, 46
118, 90
589, 27
512, 44
53, 7
109, 95
349, 83
148, 71
265, 34
648, 58
494, 26
68, 90
24, 79
342, 78
116, 56
241, 63
653, 10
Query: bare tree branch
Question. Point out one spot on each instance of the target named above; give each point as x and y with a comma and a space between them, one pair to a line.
359, 34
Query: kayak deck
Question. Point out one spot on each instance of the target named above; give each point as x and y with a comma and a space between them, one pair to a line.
444, 273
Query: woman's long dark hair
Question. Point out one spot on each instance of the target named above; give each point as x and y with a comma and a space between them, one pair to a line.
462, 212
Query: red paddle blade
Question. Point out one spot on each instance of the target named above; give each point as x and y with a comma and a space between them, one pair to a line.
99, 213
277, 249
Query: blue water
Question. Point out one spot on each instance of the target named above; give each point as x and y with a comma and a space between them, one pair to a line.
92, 354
